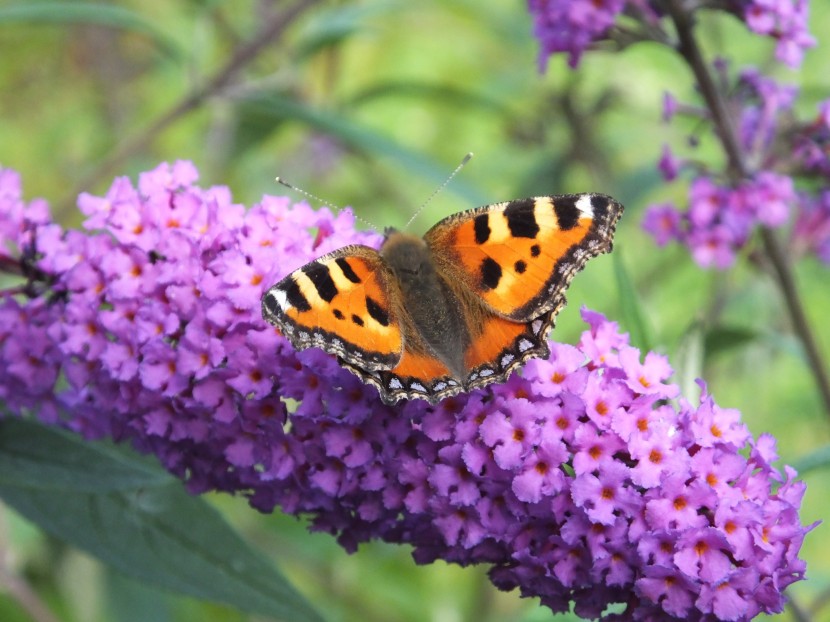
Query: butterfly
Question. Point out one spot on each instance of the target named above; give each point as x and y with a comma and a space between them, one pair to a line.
458, 309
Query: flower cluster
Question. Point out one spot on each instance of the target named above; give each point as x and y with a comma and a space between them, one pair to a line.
721, 217
153, 324
578, 481
573, 25
566, 26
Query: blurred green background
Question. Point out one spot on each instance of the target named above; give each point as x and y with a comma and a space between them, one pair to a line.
372, 104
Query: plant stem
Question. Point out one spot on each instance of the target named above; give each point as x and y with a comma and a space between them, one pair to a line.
738, 170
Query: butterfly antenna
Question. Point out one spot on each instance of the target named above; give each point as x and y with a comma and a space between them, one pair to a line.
336, 208
464, 161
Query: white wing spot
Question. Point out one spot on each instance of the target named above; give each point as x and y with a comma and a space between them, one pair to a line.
507, 359
395, 383
279, 296
583, 204
417, 386
525, 345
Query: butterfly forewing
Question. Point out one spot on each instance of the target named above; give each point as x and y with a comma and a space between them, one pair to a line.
520, 256
343, 303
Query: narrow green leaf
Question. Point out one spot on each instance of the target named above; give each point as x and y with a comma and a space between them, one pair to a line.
330, 25
818, 459
721, 339
89, 13
631, 310
421, 91
688, 363
154, 531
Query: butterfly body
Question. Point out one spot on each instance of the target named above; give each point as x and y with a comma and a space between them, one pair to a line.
438, 317
455, 310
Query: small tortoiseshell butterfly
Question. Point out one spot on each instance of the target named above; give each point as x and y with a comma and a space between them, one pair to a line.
459, 309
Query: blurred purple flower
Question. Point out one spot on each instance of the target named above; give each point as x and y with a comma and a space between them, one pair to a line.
577, 481
720, 219
812, 227
669, 164
669, 106
812, 144
663, 222
764, 107
571, 26
783, 20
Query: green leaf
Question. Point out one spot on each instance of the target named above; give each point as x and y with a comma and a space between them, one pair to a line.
721, 339
329, 26
131, 601
89, 13
689, 360
818, 459
141, 522
37, 457
421, 91
631, 310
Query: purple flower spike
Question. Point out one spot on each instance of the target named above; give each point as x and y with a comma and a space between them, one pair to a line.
571, 26
568, 26
578, 481
720, 219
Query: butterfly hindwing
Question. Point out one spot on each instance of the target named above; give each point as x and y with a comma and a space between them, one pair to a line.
417, 375
346, 303
501, 345
519, 256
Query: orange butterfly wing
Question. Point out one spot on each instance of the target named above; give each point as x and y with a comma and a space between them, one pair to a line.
519, 257
418, 375
346, 303
516, 259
